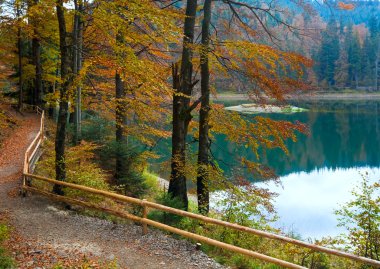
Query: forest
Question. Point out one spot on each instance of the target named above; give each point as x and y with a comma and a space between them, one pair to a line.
135, 91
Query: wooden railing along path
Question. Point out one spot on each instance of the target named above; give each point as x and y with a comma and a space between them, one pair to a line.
30, 158
32, 153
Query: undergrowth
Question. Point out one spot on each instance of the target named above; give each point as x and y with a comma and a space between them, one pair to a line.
6, 261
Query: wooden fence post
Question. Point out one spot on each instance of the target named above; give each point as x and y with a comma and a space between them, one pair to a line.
145, 215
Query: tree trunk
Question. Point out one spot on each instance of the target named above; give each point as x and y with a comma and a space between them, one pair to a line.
36, 46
377, 69
119, 114
177, 184
60, 166
36, 54
377, 74
77, 65
356, 80
20, 71
181, 113
204, 144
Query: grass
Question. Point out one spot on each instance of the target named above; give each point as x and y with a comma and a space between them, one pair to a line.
6, 261
151, 180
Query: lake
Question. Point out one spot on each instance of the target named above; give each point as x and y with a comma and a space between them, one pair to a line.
321, 168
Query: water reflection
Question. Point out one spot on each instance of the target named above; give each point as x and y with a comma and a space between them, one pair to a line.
307, 201
321, 169
342, 135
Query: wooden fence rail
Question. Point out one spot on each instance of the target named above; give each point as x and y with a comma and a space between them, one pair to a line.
145, 221
31, 155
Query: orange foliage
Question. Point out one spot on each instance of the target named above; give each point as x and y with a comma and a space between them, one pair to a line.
270, 72
135, 43
345, 6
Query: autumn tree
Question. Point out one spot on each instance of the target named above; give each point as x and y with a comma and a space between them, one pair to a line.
66, 80
182, 108
128, 69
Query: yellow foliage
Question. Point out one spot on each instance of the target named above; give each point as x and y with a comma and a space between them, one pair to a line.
80, 168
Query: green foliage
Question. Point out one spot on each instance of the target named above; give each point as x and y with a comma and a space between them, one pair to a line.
151, 181
167, 218
4, 232
361, 219
96, 129
130, 178
328, 54
6, 262
80, 169
238, 205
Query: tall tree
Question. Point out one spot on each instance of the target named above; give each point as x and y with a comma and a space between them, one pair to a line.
36, 52
328, 54
60, 166
374, 26
204, 143
353, 59
182, 110
120, 121
19, 54
77, 65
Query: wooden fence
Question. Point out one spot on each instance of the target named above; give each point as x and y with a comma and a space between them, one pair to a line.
30, 158
33, 151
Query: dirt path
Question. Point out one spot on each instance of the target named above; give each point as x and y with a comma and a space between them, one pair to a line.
45, 233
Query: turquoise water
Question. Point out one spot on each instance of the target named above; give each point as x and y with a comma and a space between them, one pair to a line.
322, 168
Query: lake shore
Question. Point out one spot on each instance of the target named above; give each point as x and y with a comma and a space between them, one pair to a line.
310, 96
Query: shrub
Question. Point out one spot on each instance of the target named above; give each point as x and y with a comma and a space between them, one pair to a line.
164, 217
80, 169
129, 179
361, 219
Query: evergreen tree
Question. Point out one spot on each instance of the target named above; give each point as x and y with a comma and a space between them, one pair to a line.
328, 54
374, 29
365, 63
352, 46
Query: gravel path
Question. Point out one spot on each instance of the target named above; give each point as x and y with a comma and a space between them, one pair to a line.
48, 233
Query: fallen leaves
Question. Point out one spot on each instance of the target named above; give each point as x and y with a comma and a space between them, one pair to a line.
29, 254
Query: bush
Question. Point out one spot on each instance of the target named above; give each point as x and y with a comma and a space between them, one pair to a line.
164, 217
80, 169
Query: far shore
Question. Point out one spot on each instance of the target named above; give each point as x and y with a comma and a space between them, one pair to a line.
311, 96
